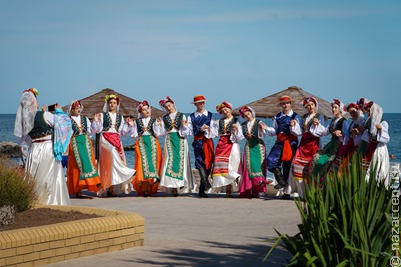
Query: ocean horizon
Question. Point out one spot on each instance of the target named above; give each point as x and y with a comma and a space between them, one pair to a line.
393, 119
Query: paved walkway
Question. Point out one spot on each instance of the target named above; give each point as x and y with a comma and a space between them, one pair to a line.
188, 231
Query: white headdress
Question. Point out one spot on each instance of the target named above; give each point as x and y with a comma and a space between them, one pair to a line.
26, 112
74, 103
376, 114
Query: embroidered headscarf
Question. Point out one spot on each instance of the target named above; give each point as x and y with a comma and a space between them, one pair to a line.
62, 133
245, 109
223, 104
375, 114
106, 102
310, 99
25, 117
73, 105
140, 106
162, 102
340, 104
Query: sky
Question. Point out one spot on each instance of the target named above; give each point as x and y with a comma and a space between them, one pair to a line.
227, 50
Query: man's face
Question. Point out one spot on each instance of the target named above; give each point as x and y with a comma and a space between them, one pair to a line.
286, 106
200, 105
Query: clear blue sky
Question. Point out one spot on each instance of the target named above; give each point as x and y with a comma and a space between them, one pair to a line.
238, 51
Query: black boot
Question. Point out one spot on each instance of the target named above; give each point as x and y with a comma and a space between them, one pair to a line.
279, 178
202, 191
204, 179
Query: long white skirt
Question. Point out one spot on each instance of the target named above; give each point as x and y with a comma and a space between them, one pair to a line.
187, 183
233, 167
112, 170
51, 187
381, 161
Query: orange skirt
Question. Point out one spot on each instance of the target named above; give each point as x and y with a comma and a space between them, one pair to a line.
74, 183
149, 184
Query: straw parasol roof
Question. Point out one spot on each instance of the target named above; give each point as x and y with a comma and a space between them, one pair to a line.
268, 106
94, 104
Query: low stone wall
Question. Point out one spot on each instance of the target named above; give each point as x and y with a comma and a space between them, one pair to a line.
116, 230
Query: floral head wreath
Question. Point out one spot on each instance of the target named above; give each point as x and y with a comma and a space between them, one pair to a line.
164, 101
34, 91
310, 99
364, 103
351, 105
245, 109
224, 104
112, 96
106, 102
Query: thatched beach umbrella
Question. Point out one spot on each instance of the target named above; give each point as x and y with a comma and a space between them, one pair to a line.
94, 104
268, 106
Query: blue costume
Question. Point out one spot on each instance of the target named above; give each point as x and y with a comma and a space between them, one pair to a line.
280, 157
203, 149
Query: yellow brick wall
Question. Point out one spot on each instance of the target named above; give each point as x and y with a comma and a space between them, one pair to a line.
64, 241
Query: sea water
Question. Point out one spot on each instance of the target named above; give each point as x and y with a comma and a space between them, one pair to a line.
393, 119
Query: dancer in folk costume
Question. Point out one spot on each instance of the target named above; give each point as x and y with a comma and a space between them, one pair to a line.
176, 171
199, 123
253, 163
308, 146
47, 136
355, 131
82, 170
227, 156
113, 170
374, 139
148, 153
286, 126
357, 123
330, 157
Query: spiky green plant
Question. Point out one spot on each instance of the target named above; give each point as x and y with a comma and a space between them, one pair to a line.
345, 222
16, 189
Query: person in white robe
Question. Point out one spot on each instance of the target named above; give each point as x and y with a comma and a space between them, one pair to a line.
227, 153
43, 162
176, 174
375, 137
116, 176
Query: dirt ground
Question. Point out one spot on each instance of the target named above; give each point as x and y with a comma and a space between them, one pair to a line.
44, 216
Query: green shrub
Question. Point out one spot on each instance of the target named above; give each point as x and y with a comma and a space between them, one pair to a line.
16, 190
346, 221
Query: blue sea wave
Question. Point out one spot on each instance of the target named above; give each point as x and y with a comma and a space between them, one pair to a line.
393, 119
